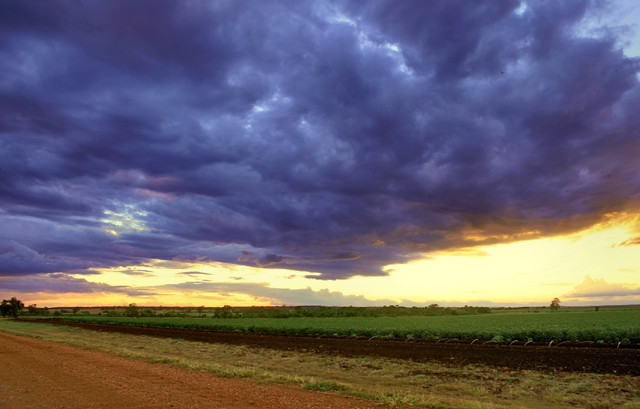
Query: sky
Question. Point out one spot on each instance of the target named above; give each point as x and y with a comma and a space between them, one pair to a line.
320, 152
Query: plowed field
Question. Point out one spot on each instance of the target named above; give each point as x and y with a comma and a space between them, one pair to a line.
603, 359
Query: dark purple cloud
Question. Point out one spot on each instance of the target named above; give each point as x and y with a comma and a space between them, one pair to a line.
333, 138
23, 260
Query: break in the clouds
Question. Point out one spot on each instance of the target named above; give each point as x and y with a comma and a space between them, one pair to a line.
329, 137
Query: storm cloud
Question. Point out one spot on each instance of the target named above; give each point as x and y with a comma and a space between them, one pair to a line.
329, 137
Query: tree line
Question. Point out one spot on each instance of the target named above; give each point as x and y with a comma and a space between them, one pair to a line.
14, 307
318, 311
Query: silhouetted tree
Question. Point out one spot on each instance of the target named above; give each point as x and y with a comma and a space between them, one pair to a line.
555, 304
11, 307
5, 308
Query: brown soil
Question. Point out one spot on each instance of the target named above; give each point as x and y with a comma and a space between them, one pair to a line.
43, 374
566, 357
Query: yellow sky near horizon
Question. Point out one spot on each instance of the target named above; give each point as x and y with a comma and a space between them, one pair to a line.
586, 268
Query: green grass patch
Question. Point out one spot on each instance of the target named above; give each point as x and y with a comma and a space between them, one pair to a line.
608, 326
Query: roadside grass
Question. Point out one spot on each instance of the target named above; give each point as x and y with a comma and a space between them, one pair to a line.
389, 382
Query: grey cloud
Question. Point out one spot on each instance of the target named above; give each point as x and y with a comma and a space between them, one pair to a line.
65, 284
345, 255
192, 273
279, 296
23, 260
245, 255
273, 259
137, 272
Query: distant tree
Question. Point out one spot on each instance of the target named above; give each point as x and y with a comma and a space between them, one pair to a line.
76, 310
200, 310
32, 309
11, 307
555, 304
147, 313
224, 312
131, 311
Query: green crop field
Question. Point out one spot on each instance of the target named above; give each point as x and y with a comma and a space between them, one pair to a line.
603, 326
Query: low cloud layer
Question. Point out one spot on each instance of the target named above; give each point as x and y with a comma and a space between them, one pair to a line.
264, 293
65, 284
333, 138
598, 288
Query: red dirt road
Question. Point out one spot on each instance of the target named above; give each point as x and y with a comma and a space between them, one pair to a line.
43, 374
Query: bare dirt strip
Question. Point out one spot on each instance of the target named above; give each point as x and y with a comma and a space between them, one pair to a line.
601, 359
43, 374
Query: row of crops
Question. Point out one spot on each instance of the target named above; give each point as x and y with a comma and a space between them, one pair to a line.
604, 326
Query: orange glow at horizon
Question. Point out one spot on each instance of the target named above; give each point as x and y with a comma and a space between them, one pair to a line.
525, 272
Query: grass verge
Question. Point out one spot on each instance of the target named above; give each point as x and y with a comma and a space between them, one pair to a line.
390, 382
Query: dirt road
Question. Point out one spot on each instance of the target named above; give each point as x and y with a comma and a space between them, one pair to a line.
43, 374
